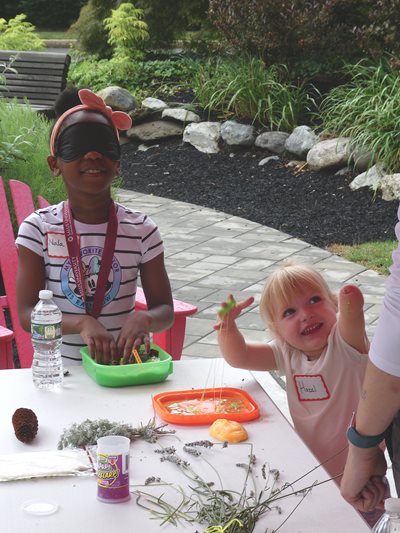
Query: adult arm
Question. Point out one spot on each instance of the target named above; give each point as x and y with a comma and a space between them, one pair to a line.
379, 402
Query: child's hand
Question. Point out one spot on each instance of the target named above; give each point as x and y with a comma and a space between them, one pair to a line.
230, 310
101, 344
134, 333
351, 300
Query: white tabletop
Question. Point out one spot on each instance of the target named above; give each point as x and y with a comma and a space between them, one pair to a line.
274, 441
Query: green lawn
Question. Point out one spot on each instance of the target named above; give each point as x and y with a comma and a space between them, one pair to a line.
374, 255
55, 35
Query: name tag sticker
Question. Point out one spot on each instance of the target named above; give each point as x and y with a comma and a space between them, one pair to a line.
57, 245
311, 388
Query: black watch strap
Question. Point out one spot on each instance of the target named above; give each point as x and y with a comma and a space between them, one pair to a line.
362, 441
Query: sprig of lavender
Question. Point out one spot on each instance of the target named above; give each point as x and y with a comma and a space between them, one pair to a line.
87, 432
223, 511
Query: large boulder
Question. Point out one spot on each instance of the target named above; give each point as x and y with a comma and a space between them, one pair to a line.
274, 141
236, 134
300, 141
152, 131
204, 136
331, 153
390, 186
154, 104
361, 158
180, 114
118, 98
370, 178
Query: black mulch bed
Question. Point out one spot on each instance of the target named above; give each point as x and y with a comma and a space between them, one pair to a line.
317, 207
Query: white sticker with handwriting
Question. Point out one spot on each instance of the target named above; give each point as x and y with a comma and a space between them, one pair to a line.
311, 388
57, 245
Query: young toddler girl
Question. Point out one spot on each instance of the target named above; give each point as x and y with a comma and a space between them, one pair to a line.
322, 355
320, 346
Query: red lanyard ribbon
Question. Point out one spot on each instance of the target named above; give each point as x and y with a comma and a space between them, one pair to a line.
74, 253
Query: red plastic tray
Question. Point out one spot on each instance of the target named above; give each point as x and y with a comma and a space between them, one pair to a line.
197, 407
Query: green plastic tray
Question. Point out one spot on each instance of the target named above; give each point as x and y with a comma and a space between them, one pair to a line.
126, 375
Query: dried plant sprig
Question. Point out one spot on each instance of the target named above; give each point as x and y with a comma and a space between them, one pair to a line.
204, 443
87, 432
221, 510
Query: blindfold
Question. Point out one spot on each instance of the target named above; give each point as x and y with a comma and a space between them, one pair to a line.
77, 140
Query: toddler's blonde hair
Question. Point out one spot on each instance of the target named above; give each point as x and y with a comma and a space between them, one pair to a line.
285, 283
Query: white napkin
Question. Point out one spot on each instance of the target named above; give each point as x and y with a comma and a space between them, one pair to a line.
28, 465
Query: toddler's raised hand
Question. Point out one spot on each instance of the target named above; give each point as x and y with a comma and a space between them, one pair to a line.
230, 310
351, 300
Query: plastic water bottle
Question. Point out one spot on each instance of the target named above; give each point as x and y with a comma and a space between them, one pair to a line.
390, 520
47, 367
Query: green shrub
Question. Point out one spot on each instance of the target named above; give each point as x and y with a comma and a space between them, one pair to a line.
246, 89
367, 110
96, 74
24, 147
44, 14
89, 28
381, 29
293, 31
168, 21
17, 34
141, 78
126, 31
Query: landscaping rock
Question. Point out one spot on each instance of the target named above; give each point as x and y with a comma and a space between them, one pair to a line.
361, 158
118, 98
154, 104
236, 134
329, 154
274, 141
181, 115
300, 141
204, 136
370, 178
267, 160
152, 131
390, 186
141, 115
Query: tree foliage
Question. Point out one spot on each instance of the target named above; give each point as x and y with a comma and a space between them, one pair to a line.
126, 31
295, 31
18, 34
57, 14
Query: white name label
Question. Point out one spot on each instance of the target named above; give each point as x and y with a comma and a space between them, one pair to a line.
311, 388
57, 245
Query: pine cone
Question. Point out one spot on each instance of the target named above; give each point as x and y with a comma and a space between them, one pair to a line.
25, 424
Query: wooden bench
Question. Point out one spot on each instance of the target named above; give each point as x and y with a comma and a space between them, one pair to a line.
170, 340
39, 78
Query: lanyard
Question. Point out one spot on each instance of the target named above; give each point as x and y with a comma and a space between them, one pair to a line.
74, 253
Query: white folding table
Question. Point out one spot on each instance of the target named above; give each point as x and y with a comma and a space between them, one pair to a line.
273, 438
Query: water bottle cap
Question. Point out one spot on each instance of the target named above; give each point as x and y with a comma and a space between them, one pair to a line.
45, 295
392, 505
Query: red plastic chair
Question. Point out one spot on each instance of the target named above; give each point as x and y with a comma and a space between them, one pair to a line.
170, 340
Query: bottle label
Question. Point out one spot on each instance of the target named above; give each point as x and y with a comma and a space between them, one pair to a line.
46, 332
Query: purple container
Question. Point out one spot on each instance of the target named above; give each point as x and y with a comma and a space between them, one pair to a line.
113, 469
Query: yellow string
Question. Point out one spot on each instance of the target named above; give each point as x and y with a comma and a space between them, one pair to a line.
222, 529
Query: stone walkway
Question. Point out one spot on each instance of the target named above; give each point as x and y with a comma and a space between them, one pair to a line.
210, 254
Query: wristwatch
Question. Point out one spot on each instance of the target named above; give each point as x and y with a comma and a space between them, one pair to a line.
362, 441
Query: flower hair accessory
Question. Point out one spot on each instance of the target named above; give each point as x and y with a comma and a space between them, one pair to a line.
119, 120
